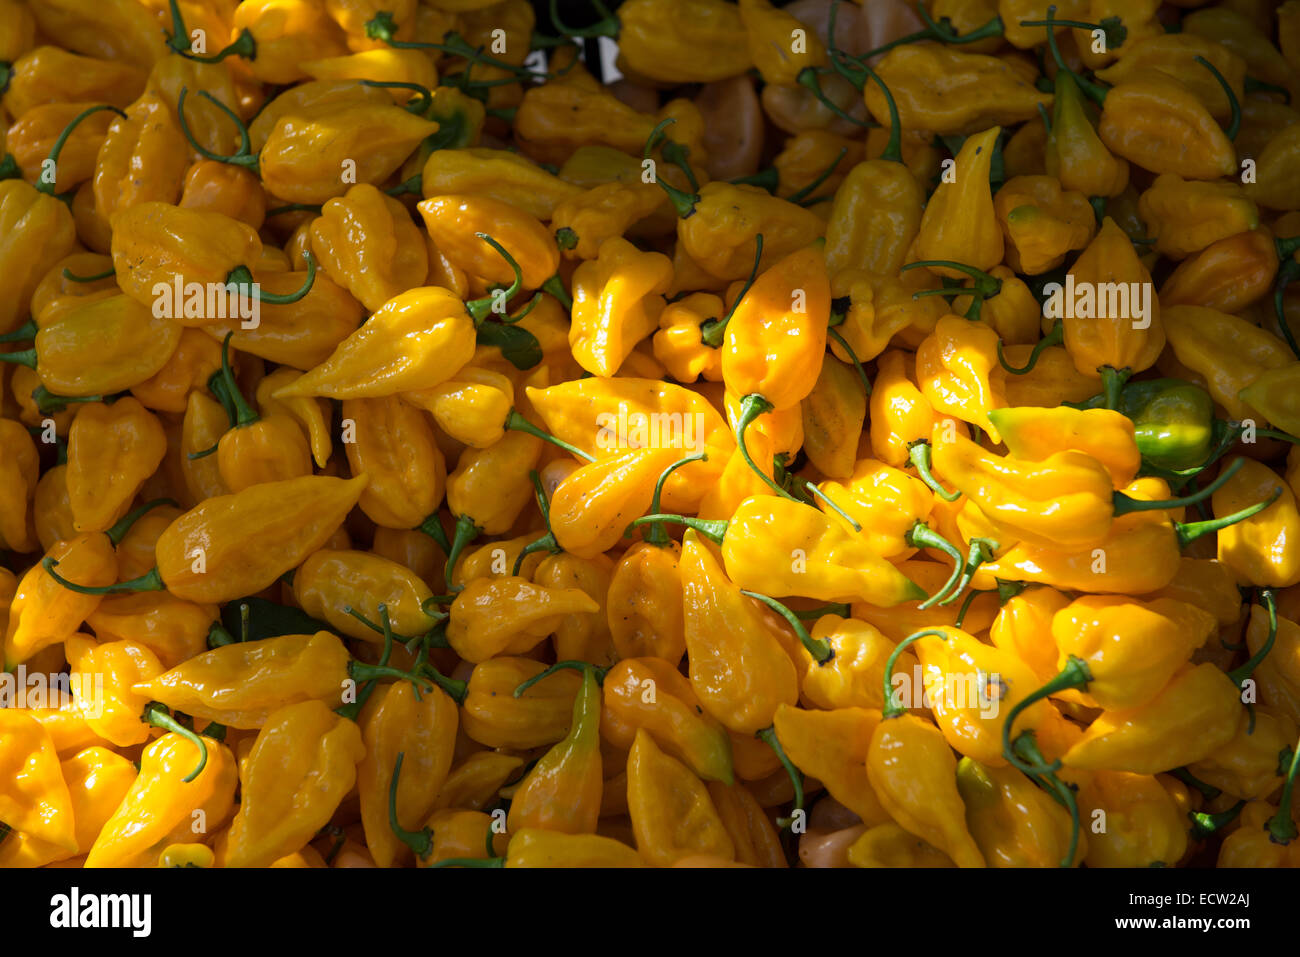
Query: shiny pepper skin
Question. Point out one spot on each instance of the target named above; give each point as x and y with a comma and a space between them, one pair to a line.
832, 747
156, 245
303, 763
112, 450
779, 547
769, 31
160, 809
114, 712
103, 345
1228, 352
898, 414
1248, 766
393, 444
416, 340
914, 775
422, 728
173, 630
242, 684
593, 506
1277, 675
941, 89
43, 612
958, 372
589, 413
651, 694
1144, 826
1075, 153
34, 797
971, 718
1251, 844
1041, 222
367, 242
1132, 648
563, 790
238, 544
495, 718
37, 232
1128, 338
874, 217
471, 407
147, 138
777, 335
1191, 718
672, 814
604, 212
1259, 549
724, 629
959, 222
1185, 216
498, 174
302, 159
683, 41
230, 190
1156, 121
1035, 434
540, 848
454, 222
331, 581
720, 234
19, 475
509, 616
616, 304
644, 603
1014, 822
885, 501
98, 779
580, 636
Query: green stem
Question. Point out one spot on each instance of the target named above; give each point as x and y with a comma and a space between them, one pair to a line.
466, 532
419, 105
242, 157
682, 201
1054, 338
1205, 824
751, 407
150, 581
1189, 532
1281, 827
768, 736
480, 309
1242, 674
826, 500
799, 196
892, 707
656, 534
244, 414
123, 525
23, 333
545, 542
432, 527
566, 665
1094, 91
1207, 791
555, 286
1112, 385
421, 841
713, 331
1075, 674
242, 276
57, 149
808, 80
156, 714
1289, 272
1060, 790
71, 277
1234, 127
1126, 503
819, 648
918, 453
714, 530
921, 535
853, 357
517, 423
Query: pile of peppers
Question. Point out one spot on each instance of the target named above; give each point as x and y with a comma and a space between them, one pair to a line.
833, 435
